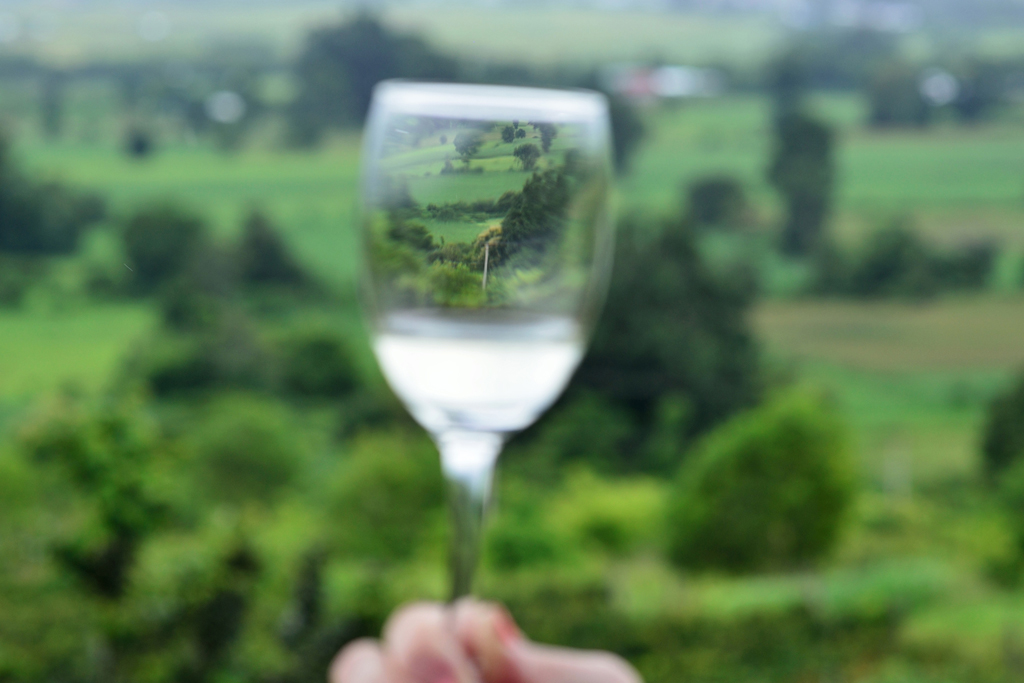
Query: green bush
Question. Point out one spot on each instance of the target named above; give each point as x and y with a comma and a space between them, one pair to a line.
672, 327
316, 363
614, 516
385, 495
263, 256
717, 200
159, 241
1003, 441
246, 450
1010, 568
768, 490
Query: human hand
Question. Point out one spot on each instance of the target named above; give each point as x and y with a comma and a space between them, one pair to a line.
470, 642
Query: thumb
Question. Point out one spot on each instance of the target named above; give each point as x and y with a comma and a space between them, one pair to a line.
502, 655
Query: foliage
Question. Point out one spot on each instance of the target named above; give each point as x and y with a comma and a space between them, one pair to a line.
537, 211
263, 256
106, 455
467, 143
41, 218
385, 495
671, 327
160, 239
628, 131
340, 65
548, 132
245, 451
895, 98
802, 169
896, 262
716, 200
528, 155
317, 363
508, 134
1003, 442
768, 490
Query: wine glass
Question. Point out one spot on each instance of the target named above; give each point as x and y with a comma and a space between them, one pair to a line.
487, 241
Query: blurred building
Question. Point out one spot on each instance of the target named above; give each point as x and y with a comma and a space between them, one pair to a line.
640, 82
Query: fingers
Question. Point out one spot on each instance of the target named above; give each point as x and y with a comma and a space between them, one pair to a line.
487, 633
360, 662
539, 663
494, 643
420, 647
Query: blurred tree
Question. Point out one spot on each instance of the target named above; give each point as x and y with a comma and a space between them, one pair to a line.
160, 240
520, 133
138, 142
671, 327
41, 218
339, 66
895, 262
317, 363
803, 171
982, 87
895, 99
548, 132
787, 83
387, 492
1003, 441
537, 211
508, 134
51, 106
246, 451
108, 455
263, 256
716, 200
467, 143
767, 491
628, 131
528, 155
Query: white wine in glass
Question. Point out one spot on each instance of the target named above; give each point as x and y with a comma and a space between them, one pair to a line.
487, 241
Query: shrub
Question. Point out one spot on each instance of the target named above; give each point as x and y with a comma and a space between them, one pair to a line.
107, 455
803, 171
17, 275
41, 218
768, 490
614, 516
263, 256
519, 537
895, 262
671, 327
316, 363
159, 241
717, 200
230, 356
895, 98
387, 491
1003, 441
245, 450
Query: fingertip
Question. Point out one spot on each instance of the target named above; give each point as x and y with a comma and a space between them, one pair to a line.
360, 661
546, 664
420, 646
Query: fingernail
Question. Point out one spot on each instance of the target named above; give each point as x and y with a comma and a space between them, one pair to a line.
429, 669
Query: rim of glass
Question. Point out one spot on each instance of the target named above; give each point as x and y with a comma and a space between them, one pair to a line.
476, 101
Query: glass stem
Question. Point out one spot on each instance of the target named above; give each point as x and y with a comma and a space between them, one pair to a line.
467, 459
